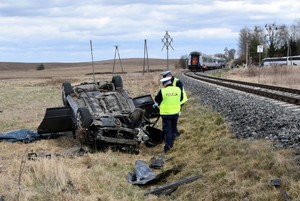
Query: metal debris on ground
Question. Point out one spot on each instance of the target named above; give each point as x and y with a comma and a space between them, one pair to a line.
171, 187
76, 152
162, 177
33, 156
70, 153
142, 174
158, 162
276, 182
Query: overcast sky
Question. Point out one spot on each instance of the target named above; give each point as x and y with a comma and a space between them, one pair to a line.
61, 30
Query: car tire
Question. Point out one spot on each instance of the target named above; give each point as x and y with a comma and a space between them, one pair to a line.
118, 82
83, 118
136, 117
66, 90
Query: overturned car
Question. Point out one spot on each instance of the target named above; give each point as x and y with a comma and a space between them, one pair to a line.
102, 115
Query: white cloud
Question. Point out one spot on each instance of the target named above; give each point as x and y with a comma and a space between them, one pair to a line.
46, 30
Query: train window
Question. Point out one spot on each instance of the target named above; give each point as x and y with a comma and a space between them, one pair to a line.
294, 58
195, 60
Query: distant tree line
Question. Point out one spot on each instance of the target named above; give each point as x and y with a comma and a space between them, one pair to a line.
276, 40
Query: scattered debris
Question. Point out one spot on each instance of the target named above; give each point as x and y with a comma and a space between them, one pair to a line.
33, 156
285, 196
25, 136
145, 176
163, 175
76, 152
142, 175
277, 184
157, 162
171, 187
70, 153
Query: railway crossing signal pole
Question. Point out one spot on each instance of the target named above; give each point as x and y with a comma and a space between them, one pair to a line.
260, 49
146, 61
167, 40
117, 51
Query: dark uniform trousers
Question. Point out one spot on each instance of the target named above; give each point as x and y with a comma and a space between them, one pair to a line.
169, 130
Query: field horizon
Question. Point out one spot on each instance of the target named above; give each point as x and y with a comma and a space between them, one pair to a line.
125, 61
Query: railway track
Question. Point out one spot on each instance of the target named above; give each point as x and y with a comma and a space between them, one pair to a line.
283, 94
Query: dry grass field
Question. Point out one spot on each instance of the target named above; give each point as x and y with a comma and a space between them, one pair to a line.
27, 91
232, 169
277, 75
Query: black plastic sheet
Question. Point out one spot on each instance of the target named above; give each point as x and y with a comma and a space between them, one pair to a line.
24, 135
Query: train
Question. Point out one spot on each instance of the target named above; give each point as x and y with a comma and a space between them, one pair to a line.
280, 61
198, 61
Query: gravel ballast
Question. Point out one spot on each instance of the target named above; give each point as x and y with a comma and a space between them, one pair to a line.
249, 116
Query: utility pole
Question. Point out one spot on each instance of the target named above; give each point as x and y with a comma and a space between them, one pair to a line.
288, 54
146, 61
117, 51
247, 50
247, 46
166, 40
92, 61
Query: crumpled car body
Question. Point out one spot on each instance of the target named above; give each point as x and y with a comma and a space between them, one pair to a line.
102, 115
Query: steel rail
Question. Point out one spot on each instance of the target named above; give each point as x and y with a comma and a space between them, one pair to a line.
253, 88
265, 86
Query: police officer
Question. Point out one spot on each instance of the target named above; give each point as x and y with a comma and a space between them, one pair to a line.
176, 82
168, 99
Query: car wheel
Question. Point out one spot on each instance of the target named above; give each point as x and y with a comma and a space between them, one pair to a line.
117, 80
83, 118
136, 117
66, 90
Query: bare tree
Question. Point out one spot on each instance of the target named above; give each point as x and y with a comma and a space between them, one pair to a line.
244, 41
296, 29
295, 35
274, 38
231, 53
277, 40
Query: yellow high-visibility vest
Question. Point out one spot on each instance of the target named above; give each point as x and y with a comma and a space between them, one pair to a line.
184, 99
170, 100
